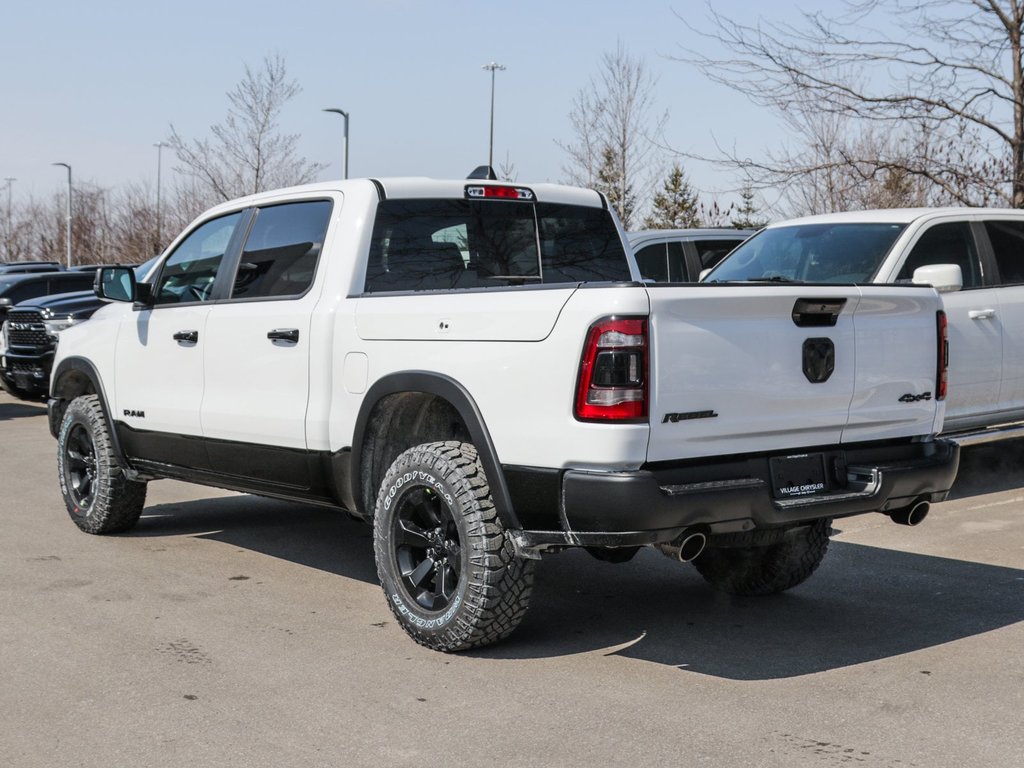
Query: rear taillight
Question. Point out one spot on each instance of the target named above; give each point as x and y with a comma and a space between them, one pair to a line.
613, 371
942, 371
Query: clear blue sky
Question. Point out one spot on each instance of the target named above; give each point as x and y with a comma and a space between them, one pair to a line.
96, 84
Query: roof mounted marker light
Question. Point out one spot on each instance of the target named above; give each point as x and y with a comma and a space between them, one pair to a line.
496, 192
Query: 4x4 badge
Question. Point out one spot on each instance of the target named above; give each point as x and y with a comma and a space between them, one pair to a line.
909, 398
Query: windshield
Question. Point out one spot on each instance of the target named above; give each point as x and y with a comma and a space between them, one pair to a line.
810, 253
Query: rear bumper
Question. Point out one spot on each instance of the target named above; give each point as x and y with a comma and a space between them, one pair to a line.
733, 495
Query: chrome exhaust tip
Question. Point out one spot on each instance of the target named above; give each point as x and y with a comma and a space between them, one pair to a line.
686, 547
912, 515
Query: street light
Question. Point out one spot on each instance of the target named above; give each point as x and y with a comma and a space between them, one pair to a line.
493, 67
159, 150
344, 114
68, 237
10, 227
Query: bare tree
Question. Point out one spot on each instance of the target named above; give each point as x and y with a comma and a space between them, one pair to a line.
246, 153
507, 170
941, 81
615, 125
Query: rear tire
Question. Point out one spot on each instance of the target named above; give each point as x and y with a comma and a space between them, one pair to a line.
98, 497
767, 570
446, 564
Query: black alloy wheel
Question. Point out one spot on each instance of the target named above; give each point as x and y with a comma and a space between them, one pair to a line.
428, 552
80, 469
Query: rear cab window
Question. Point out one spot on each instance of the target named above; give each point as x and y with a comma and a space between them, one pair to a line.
454, 244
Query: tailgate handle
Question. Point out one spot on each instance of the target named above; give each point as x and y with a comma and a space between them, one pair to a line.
817, 313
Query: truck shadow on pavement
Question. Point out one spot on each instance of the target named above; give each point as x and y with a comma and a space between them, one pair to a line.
989, 469
316, 537
863, 604
13, 410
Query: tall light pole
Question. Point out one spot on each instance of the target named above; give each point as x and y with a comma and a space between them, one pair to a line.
344, 114
68, 236
10, 183
159, 218
493, 67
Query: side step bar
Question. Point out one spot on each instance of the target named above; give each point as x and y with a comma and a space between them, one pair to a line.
988, 435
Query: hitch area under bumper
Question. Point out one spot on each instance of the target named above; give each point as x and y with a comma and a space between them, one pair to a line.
736, 498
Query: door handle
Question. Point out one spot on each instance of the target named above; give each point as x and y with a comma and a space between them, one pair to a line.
187, 337
290, 335
981, 314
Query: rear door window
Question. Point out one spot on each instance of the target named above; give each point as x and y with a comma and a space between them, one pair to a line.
677, 272
280, 254
653, 262
1007, 238
711, 252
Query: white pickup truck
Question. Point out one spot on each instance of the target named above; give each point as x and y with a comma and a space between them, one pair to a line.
477, 369
973, 256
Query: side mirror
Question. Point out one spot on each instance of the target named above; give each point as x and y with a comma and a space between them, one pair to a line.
115, 284
944, 278
5, 302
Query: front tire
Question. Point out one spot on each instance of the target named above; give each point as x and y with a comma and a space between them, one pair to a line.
767, 570
446, 564
98, 497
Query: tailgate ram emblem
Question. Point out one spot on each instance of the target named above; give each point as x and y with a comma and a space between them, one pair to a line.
819, 360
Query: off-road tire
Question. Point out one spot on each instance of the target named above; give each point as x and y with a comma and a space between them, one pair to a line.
489, 586
98, 497
770, 569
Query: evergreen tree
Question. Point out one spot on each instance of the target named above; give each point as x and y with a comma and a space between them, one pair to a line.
676, 205
746, 213
611, 181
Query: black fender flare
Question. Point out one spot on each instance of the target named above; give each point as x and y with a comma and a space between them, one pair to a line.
458, 396
84, 367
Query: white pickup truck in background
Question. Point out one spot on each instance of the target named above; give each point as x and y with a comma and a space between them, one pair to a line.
973, 256
477, 369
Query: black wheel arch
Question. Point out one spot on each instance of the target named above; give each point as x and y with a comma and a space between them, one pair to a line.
76, 376
458, 397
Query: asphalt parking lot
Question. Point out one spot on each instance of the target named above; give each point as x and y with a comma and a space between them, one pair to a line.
230, 630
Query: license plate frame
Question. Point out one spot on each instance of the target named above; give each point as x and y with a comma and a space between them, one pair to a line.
799, 475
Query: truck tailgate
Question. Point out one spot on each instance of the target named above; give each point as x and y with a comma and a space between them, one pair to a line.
740, 368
